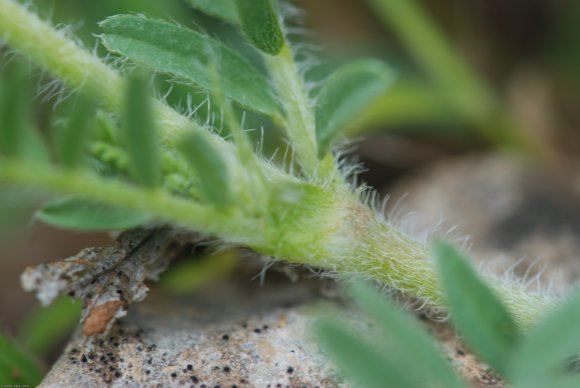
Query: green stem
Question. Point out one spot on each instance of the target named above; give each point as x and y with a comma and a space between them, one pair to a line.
303, 223
51, 49
84, 184
393, 258
300, 122
351, 240
355, 242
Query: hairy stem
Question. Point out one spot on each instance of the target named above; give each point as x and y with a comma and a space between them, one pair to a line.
385, 254
354, 241
92, 187
302, 223
300, 122
63, 58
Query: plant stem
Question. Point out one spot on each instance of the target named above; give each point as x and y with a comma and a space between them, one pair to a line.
392, 258
302, 223
349, 239
165, 206
300, 122
52, 50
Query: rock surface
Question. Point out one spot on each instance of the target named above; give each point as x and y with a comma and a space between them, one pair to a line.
234, 334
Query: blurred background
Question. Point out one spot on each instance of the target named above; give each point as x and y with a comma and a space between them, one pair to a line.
473, 77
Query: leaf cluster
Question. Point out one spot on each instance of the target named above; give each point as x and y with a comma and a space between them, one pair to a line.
37, 336
132, 143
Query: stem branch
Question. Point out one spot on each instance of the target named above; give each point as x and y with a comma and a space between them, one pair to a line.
300, 122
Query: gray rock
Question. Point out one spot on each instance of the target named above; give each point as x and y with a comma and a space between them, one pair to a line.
234, 334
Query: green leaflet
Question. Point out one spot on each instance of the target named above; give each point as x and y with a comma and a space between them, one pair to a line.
540, 360
259, 21
479, 315
401, 353
211, 170
18, 138
257, 18
72, 213
72, 137
357, 359
188, 54
345, 95
223, 9
415, 351
34, 146
141, 140
14, 107
17, 367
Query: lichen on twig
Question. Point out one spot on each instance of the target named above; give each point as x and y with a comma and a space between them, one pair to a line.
108, 279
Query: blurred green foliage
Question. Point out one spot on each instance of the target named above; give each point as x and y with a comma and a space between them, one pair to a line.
46, 326
17, 366
190, 275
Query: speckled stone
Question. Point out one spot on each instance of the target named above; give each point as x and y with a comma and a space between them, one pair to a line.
234, 334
